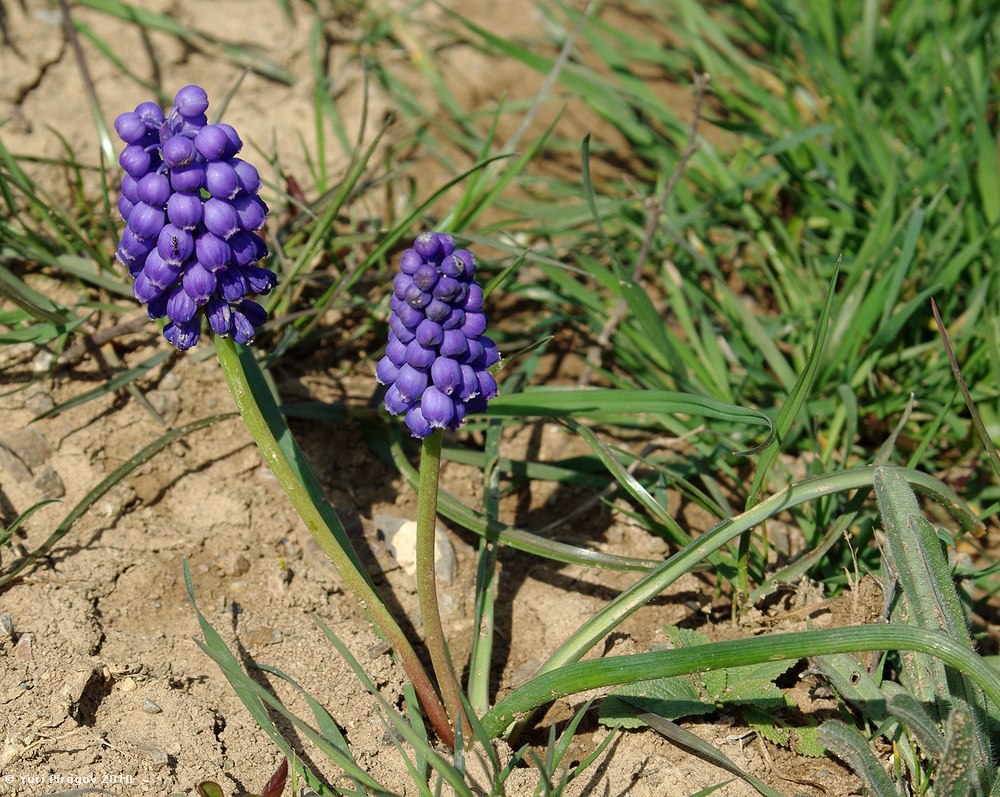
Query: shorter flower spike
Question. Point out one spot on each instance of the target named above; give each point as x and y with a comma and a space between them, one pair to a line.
436, 361
192, 214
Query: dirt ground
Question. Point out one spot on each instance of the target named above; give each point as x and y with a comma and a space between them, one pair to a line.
101, 683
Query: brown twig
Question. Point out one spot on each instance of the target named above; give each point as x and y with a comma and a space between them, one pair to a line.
95, 340
655, 207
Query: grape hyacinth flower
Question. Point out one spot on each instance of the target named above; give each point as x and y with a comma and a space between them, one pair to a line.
192, 214
437, 361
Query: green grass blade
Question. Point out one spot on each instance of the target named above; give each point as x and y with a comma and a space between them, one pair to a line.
676, 735
121, 379
848, 744
454, 510
634, 668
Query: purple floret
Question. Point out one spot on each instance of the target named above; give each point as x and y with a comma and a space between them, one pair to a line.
192, 213
436, 361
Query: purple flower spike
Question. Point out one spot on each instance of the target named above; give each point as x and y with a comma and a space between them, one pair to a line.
191, 211
436, 361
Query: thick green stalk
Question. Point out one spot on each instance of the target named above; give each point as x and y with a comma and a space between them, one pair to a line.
263, 420
582, 676
437, 645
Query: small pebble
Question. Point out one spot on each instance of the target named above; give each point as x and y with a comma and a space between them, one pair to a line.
48, 483
29, 445
166, 403
150, 707
6, 627
42, 363
39, 403
22, 650
155, 754
400, 537
171, 381
262, 636
233, 564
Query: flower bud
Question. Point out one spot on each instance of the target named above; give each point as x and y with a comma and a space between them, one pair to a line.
220, 218
199, 283
184, 209
145, 220
212, 252
130, 127
153, 189
191, 101
178, 151
212, 142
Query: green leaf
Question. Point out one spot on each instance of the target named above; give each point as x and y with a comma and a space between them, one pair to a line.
760, 673
849, 745
210, 789
805, 741
767, 726
671, 698
600, 403
760, 693
957, 766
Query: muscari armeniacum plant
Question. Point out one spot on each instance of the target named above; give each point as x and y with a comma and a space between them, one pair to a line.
436, 369
191, 244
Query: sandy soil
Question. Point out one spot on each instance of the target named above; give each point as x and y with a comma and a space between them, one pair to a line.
101, 683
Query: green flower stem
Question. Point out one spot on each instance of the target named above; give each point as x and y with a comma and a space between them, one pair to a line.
619, 670
267, 427
437, 646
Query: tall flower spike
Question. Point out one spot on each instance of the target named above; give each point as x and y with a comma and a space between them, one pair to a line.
192, 214
435, 365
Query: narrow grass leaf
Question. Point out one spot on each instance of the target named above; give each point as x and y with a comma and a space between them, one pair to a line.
582, 676
121, 379
454, 510
905, 708
957, 765
16, 523
849, 745
256, 699
608, 404
703, 750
